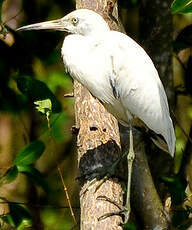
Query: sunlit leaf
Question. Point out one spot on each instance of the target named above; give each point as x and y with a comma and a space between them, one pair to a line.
181, 6
30, 153
9, 176
17, 215
168, 179
8, 218
44, 106
34, 175
25, 224
36, 90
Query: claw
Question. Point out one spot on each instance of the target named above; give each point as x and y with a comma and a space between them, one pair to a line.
123, 211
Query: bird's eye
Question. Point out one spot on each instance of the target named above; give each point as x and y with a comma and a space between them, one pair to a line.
74, 21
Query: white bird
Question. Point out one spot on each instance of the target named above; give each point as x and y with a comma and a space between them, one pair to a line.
117, 71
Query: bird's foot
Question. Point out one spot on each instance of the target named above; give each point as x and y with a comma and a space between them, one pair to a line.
123, 211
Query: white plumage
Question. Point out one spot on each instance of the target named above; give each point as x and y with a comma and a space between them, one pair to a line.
104, 60
115, 69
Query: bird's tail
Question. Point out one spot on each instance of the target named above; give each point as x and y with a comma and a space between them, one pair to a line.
160, 142
167, 141
170, 138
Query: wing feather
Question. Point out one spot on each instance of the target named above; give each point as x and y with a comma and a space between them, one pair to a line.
141, 91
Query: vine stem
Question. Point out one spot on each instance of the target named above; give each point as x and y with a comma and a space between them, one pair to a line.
59, 171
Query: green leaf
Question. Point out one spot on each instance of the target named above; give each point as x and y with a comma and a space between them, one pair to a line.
9, 176
58, 79
129, 226
181, 6
36, 90
30, 153
44, 106
18, 214
34, 175
25, 224
176, 187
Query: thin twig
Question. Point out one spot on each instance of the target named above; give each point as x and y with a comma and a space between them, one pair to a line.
60, 173
69, 95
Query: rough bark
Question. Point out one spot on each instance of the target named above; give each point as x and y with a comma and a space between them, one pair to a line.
98, 146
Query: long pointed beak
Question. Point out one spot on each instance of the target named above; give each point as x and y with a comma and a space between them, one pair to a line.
58, 24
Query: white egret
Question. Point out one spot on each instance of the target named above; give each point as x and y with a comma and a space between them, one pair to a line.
117, 71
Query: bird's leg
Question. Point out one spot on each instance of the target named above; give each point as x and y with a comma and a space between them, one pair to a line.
130, 159
125, 210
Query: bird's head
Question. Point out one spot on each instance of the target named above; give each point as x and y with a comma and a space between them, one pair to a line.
83, 21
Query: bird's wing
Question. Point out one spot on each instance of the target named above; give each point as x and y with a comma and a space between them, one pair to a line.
135, 81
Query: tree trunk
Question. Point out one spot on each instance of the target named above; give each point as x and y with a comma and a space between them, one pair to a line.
98, 145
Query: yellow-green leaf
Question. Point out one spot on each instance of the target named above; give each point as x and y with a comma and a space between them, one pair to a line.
181, 6
44, 106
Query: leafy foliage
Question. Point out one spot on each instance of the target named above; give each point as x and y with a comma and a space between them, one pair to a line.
176, 187
36, 90
181, 6
19, 94
130, 226
30, 153
18, 217
34, 175
44, 106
